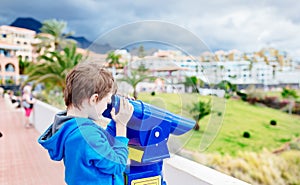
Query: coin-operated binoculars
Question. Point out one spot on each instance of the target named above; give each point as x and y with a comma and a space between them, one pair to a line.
148, 131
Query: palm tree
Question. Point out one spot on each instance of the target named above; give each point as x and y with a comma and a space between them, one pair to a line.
23, 65
222, 71
136, 77
55, 66
52, 35
228, 87
291, 95
141, 52
113, 60
199, 110
192, 82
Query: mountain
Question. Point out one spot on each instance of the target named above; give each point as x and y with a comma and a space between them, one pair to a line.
28, 23
82, 42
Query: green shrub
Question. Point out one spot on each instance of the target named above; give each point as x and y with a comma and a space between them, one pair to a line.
242, 95
227, 96
273, 122
246, 134
153, 93
295, 145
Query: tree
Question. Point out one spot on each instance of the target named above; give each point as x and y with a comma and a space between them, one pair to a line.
199, 110
113, 60
192, 82
136, 77
52, 35
228, 87
55, 66
23, 65
141, 52
222, 71
291, 95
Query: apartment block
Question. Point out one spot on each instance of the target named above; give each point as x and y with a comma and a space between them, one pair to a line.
9, 63
20, 37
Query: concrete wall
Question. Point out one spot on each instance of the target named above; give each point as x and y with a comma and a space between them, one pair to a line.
43, 115
182, 171
177, 170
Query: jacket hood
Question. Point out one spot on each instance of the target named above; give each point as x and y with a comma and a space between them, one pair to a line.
54, 137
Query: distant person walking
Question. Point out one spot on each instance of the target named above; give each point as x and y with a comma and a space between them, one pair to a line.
27, 102
14, 99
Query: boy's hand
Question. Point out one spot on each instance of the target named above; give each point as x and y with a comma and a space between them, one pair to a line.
123, 116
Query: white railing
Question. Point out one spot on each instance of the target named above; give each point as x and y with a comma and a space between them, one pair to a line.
43, 115
177, 170
182, 171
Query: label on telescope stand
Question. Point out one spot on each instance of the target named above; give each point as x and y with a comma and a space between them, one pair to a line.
156, 180
135, 154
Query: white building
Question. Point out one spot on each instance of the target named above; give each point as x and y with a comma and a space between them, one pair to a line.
173, 67
234, 71
163, 67
21, 37
262, 73
9, 64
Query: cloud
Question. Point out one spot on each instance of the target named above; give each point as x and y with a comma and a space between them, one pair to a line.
223, 24
150, 32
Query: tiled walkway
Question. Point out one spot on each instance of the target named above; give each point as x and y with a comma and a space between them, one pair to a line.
22, 160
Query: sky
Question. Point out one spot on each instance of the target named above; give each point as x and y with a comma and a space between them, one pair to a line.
246, 25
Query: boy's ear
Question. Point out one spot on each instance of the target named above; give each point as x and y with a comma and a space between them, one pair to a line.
94, 99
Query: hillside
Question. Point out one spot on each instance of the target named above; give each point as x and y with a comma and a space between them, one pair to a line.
28, 23
35, 25
238, 117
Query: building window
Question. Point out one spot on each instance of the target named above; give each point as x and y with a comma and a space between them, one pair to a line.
9, 68
6, 53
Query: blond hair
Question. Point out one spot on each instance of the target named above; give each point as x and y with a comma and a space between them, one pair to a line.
27, 89
86, 79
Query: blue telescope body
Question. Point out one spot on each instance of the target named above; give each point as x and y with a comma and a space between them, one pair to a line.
148, 131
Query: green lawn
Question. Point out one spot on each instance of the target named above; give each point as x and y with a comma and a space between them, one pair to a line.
228, 121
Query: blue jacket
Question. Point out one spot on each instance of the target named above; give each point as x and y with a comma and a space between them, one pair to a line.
91, 154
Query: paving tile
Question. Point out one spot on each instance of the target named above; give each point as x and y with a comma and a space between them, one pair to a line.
22, 160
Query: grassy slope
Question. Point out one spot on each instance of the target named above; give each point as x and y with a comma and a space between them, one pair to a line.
241, 116
238, 117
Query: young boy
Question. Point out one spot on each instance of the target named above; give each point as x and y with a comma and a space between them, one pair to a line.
91, 154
